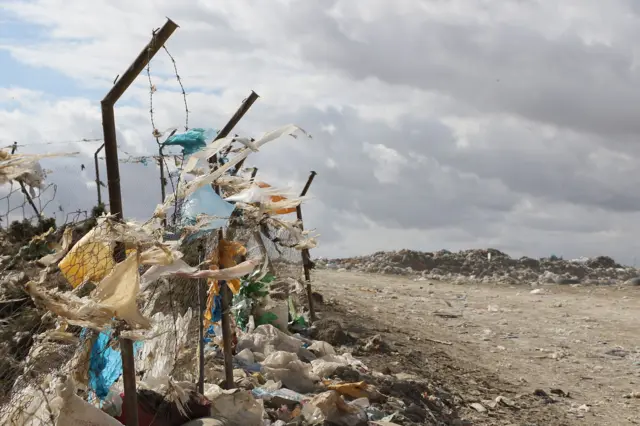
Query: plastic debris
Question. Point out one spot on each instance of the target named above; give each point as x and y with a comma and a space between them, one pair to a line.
118, 291
205, 201
76, 412
59, 249
330, 407
353, 390
115, 296
279, 396
169, 336
294, 374
105, 366
325, 366
236, 406
267, 339
25, 168
192, 140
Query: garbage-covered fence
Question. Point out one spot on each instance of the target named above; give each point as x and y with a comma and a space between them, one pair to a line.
198, 311
93, 301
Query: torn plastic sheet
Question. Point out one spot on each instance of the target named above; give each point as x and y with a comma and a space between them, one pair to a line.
225, 256
76, 412
294, 374
158, 271
236, 406
119, 290
277, 198
115, 296
205, 153
237, 271
28, 406
81, 312
205, 201
187, 188
261, 193
159, 352
60, 250
91, 258
192, 140
307, 244
25, 167
105, 366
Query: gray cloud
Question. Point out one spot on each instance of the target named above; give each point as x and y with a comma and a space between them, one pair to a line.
511, 135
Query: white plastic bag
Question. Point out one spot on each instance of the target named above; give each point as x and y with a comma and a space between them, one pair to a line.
294, 374
76, 412
237, 406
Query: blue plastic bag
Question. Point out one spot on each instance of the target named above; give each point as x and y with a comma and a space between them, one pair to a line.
105, 365
205, 201
192, 140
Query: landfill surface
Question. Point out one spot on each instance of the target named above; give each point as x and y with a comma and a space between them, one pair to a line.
509, 354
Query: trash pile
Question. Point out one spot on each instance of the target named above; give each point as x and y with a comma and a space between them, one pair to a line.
73, 299
487, 265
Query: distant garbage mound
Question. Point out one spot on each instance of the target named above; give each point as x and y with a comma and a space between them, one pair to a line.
487, 265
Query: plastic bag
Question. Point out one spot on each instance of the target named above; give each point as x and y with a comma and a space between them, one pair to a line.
239, 407
159, 353
205, 201
267, 339
330, 407
192, 140
325, 366
76, 412
294, 374
105, 366
321, 348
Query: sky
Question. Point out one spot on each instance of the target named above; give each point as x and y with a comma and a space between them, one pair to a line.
436, 124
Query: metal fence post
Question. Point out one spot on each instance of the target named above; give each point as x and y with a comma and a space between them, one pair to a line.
95, 160
115, 195
306, 258
225, 292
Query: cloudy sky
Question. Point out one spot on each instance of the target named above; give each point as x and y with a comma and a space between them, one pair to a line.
436, 123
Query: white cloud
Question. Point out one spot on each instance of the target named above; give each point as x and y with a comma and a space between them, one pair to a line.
487, 123
388, 162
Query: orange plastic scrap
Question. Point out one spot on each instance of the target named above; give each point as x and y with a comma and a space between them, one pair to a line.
354, 390
277, 198
228, 250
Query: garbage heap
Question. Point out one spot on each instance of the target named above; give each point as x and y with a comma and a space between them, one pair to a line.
487, 265
70, 304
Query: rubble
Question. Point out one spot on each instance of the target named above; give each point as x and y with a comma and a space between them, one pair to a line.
488, 266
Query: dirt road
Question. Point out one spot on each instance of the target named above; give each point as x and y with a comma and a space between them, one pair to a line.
505, 341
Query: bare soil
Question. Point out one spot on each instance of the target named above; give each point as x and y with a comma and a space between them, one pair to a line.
567, 356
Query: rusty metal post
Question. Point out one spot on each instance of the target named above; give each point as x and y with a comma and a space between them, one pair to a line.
26, 194
95, 160
242, 110
225, 292
202, 303
163, 182
115, 195
306, 258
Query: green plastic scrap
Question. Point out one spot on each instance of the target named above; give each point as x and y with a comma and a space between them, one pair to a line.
293, 313
267, 318
250, 293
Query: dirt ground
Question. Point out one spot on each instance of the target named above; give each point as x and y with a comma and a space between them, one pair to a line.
576, 344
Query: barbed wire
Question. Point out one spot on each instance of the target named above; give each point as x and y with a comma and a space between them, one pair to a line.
60, 142
184, 93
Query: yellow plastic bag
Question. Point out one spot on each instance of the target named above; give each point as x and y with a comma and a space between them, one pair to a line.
91, 261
